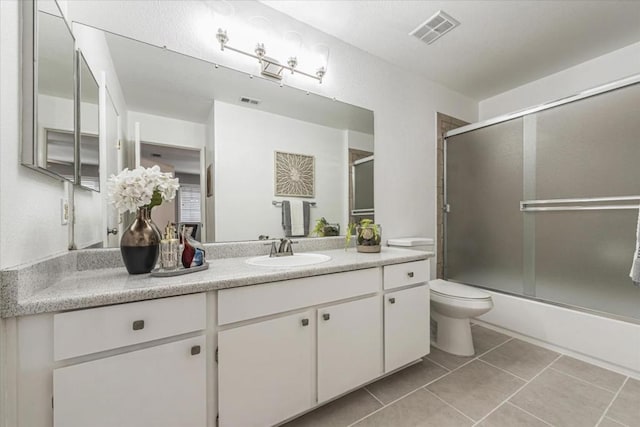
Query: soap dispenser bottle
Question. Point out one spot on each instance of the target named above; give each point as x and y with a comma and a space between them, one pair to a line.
169, 249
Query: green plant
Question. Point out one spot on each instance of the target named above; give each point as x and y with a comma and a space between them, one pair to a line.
323, 228
318, 230
368, 233
347, 239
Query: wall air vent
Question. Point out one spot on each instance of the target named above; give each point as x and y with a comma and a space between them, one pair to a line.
247, 100
435, 27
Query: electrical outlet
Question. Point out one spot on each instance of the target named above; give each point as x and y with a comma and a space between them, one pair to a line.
64, 211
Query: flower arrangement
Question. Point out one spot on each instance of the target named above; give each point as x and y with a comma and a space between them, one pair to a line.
141, 188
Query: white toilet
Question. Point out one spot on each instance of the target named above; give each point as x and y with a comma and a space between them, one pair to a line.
452, 305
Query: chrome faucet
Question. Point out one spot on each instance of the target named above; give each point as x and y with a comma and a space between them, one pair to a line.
285, 248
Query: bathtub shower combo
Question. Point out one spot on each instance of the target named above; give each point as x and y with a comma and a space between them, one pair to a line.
543, 204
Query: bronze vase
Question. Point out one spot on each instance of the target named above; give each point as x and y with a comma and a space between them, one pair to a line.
140, 243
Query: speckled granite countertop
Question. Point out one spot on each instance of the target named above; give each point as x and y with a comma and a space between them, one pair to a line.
91, 288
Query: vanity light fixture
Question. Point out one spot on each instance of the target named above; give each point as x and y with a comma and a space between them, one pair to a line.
271, 67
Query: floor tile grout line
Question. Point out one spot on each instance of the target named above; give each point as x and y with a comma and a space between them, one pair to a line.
504, 370
373, 395
518, 391
399, 398
449, 371
470, 360
615, 421
583, 380
613, 399
450, 405
527, 412
385, 406
436, 363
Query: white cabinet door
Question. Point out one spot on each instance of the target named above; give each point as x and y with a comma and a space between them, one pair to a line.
157, 386
265, 371
406, 326
349, 345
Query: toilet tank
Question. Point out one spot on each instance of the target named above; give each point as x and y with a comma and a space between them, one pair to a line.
415, 243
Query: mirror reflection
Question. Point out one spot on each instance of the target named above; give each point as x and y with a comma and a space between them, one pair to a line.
89, 153
220, 131
53, 145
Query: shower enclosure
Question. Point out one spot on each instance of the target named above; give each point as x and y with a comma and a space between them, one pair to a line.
544, 203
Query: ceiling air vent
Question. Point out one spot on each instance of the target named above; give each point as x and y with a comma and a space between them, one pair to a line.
248, 100
434, 27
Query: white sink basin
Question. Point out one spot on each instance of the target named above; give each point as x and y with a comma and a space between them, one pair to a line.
295, 260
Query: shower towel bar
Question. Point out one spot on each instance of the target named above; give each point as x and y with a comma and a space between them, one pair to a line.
525, 205
279, 203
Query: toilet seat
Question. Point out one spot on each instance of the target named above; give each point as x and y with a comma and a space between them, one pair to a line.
457, 291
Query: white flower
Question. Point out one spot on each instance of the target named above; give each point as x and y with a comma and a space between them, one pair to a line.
132, 189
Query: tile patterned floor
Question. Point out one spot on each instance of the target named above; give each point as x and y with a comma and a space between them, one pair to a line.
508, 383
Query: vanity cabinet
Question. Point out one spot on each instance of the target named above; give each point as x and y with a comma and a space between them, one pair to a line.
406, 313
245, 356
266, 370
406, 326
349, 346
125, 379
163, 385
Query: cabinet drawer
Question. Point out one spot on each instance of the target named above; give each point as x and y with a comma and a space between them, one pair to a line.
408, 273
97, 329
249, 302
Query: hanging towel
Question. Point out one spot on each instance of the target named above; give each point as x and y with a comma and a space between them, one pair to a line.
295, 218
635, 267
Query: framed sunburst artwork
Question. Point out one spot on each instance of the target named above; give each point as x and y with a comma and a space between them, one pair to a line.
294, 175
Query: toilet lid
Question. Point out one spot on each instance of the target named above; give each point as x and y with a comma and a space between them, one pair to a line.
456, 290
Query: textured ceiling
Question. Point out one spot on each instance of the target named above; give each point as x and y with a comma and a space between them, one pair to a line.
498, 46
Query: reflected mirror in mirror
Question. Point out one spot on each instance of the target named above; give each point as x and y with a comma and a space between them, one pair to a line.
184, 164
49, 140
89, 152
236, 123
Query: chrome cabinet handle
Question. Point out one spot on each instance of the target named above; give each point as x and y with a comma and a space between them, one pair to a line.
195, 350
326, 316
410, 274
138, 325
392, 300
305, 322
113, 231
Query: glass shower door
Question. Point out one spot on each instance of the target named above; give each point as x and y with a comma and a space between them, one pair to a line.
588, 150
483, 223
546, 205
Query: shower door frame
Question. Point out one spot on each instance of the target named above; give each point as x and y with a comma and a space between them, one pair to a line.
524, 204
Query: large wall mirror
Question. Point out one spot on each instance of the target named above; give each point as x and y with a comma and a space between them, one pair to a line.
48, 143
218, 130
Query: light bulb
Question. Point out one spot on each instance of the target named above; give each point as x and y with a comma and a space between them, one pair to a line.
292, 46
320, 55
262, 33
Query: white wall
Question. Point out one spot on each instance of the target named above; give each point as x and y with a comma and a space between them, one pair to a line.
244, 170
595, 72
359, 140
167, 131
404, 103
30, 227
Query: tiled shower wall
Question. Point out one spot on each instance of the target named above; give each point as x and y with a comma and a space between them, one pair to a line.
445, 124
